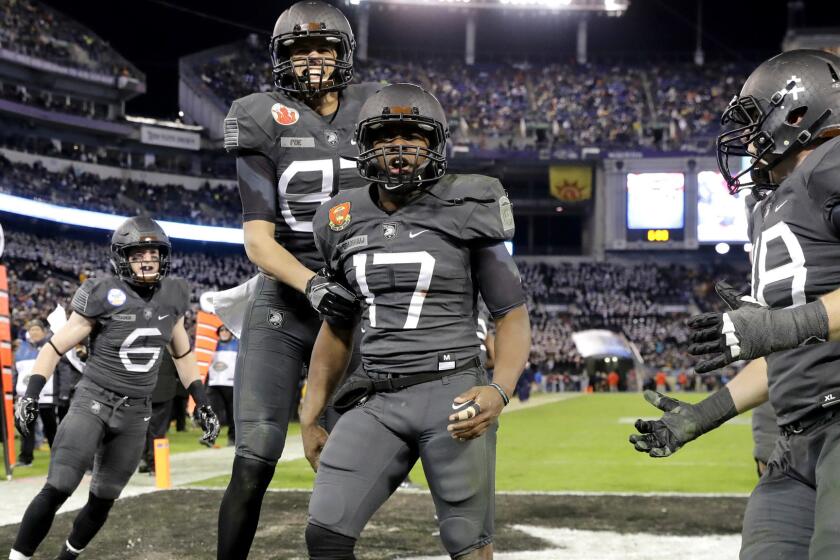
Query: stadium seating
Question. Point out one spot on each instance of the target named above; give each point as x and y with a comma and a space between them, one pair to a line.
34, 29
512, 107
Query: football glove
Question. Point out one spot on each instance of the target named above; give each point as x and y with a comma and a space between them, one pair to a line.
330, 298
209, 423
749, 330
681, 423
26, 412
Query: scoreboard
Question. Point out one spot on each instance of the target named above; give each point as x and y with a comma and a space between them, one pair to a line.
669, 203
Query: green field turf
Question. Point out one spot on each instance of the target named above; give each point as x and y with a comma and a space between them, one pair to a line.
580, 444
179, 442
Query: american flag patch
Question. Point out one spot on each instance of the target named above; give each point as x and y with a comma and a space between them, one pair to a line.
80, 300
231, 133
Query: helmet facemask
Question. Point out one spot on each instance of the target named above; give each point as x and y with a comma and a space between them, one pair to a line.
339, 69
121, 262
401, 167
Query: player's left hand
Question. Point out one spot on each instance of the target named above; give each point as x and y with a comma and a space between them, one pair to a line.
476, 408
330, 298
738, 334
209, 423
26, 412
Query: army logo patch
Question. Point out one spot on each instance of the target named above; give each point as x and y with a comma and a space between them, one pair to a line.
284, 115
275, 318
147, 314
116, 296
389, 230
95, 407
506, 213
340, 216
331, 137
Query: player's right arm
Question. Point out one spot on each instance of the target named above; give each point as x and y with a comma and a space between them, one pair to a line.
77, 328
684, 422
256, 175
330, 357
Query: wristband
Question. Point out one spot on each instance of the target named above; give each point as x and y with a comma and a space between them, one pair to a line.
197, 392
501, 391
715, 410
35, 385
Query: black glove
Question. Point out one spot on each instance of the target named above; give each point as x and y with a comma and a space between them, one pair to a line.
750, 330
681, 423
26, 412
208, 422
330, 298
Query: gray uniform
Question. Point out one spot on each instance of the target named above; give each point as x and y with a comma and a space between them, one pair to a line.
794, 512
413, 271
309, 158
109, 413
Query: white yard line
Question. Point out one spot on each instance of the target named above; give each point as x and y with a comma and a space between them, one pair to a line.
573, 544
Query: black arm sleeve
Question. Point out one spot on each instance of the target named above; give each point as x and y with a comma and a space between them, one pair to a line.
497, 277
257, 176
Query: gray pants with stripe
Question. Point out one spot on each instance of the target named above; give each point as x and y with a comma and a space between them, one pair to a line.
794, 511
373, 448
103, 430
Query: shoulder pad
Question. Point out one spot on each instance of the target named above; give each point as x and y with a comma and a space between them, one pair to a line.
823, 174
249, 124
179, 293
491, 219
96, 296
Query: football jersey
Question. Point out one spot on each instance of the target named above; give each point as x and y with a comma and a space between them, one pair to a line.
796, 259
25, 357
314, 157
223, 365
127, 342
411, 268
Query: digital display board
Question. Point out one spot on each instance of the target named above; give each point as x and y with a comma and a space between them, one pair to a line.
720, 216
655, 201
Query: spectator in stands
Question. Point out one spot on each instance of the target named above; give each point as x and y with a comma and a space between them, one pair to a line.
24, 358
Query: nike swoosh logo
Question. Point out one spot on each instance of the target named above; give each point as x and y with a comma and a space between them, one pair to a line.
412, 235
456, 406
162, 317
146, 419
777, 208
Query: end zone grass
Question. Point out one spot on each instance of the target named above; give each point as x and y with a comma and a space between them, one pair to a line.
581, 444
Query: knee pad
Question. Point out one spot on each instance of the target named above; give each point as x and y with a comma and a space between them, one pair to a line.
53, 497
324, 544
98, 508
459, 535
250, 477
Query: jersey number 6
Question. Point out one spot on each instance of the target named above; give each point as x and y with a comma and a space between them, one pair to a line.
415, 306
126, 351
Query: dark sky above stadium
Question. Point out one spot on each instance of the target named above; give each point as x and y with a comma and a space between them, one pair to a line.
153, 34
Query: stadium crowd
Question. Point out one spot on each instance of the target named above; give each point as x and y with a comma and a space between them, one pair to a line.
650, 307
34, 29
210, 164
664, 106
216, 205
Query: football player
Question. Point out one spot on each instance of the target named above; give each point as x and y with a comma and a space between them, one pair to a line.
130, 318
293, 150
786, 119
417, 246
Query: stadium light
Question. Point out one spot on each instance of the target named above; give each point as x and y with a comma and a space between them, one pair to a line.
722, 248
100, 220
610, 7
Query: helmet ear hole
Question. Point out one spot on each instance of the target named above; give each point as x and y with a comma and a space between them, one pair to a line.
795, 116
833, 73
